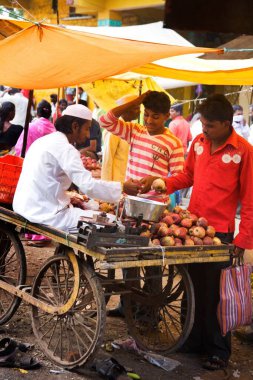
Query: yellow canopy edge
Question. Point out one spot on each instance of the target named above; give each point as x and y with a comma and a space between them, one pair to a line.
239, 77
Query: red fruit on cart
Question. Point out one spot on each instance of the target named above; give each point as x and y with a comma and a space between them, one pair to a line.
167, 241
207, 240
210, 231
202, 222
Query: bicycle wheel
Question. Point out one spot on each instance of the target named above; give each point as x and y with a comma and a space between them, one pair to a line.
160, 310
70, 339
12, 271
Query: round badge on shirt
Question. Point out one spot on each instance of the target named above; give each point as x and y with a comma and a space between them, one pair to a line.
226, 158
196, 145
236, 158
199, 150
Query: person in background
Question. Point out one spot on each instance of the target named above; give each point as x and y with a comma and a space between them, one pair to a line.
115, 149
15, 96
220, 168
179, 126
92, 145
9, 133
53, 103
63, 104
51, 165
154, 150
41, 126
239, 123
81, 95
251, 115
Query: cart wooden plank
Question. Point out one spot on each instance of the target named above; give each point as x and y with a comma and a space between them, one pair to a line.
173, 259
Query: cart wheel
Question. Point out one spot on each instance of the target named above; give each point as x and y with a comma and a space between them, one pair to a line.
70, 339
12, 271
160, 310
105, 276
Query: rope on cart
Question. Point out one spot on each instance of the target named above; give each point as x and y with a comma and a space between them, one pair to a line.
163, 252
25, 224
67, 238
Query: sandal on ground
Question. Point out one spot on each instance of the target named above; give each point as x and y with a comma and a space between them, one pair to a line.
109, 368
215, 363
12, 355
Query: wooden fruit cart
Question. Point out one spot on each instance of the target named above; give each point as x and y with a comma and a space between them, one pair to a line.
70, 291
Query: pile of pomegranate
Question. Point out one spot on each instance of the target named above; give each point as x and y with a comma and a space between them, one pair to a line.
92, 165
181, 227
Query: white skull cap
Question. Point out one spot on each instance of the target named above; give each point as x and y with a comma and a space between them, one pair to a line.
78, 110
125, 99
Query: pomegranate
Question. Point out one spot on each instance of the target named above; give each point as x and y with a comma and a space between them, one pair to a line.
207, 240
168, 220
146, 233
193, 217
181, 232
178, 242
176, 218
186, 222
167, 241
189, 241
197, 240
210, 231
158, 185
216, 241
202, 222
156, 242
177, 209
163, 231
166, 212
199, 232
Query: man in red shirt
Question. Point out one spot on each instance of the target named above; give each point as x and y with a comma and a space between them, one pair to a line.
179, 126
220, 168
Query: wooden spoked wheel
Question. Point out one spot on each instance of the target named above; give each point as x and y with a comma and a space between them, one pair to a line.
12, 271
70, 339
160, 310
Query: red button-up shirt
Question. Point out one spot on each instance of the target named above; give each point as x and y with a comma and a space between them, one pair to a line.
220, 180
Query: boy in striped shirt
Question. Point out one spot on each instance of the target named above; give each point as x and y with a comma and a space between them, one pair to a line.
154, 150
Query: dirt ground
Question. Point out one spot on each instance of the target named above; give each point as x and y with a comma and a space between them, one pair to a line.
19, 328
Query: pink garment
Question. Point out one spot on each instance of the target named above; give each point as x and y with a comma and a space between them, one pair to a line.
37, 128
181, 129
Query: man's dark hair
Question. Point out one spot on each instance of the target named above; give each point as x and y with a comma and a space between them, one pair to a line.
5, 109
177, 107
237, 107
216, 107
63, 101
64, 123
14, 90
157, 102
53, 98
44, 109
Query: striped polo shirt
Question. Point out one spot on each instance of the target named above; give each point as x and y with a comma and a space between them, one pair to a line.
148, 155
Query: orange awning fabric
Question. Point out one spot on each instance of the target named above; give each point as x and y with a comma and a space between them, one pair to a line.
45, 56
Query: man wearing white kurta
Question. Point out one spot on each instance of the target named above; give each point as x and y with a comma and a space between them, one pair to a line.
51, 165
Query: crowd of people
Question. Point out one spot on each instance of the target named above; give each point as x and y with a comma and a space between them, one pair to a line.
217, 161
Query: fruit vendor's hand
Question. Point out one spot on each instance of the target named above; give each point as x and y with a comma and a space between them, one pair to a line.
238, 252
146, 183
132, 187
